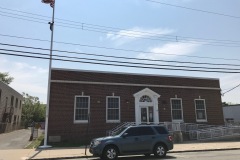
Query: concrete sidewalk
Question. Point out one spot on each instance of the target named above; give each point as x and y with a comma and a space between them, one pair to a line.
58, 153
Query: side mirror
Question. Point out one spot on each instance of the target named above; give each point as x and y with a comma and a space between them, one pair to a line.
124, 135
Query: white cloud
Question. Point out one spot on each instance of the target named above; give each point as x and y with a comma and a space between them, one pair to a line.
125, 36
27, 78
169, 50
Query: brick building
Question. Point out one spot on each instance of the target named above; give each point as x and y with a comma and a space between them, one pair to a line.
10, 108
106, 100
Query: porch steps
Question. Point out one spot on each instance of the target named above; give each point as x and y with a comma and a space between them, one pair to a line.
119, 127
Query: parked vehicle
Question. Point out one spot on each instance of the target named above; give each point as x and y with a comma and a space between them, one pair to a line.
143, 139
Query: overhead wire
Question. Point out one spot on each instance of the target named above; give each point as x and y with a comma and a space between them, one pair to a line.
117, 49
194, 9
119, 57
116, 28
132, 33
119, 65
125, 62
231, 89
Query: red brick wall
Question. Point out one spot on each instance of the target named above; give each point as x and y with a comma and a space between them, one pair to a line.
61, 114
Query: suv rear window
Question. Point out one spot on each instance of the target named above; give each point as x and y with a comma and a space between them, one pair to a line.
161, 130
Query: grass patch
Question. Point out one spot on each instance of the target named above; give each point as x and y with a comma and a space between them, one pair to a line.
36, 143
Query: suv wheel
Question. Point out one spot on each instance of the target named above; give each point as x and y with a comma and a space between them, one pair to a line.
110, 153
160, 150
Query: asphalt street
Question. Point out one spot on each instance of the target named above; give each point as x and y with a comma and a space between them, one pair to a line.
15, 140
206, 155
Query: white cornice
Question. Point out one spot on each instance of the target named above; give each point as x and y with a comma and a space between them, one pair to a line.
137, 85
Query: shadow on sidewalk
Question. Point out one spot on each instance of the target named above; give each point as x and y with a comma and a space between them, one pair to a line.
38, 152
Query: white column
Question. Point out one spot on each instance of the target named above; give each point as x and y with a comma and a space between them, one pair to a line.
137, 111
156, 111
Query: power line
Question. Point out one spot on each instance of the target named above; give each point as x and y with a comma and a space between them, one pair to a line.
23, 19
140, 35
131, 33
117, 49
44, 20
124, 62
93, 29
193, 9
231, 89
119, 57
116, 28
118, 65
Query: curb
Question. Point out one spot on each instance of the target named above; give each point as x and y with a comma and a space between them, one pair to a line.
62, 158
208, 150
221, 149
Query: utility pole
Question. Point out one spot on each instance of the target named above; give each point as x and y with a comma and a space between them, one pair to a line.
52, 4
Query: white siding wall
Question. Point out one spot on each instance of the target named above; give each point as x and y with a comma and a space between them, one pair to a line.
232, 112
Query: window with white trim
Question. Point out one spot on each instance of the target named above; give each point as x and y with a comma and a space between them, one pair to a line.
177, 112
81, 109
113, 109
200, 110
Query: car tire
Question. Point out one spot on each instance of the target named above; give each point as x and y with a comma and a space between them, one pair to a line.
160, 150
110, 153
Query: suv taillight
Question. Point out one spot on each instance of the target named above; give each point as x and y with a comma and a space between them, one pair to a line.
170, 138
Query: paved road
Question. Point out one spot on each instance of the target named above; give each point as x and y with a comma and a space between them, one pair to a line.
15, 140
207, 155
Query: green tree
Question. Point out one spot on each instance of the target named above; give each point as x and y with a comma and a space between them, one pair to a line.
32, 110
5, 78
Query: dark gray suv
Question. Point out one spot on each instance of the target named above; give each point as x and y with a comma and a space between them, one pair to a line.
143, 139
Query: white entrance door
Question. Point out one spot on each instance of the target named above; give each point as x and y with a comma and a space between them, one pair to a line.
146, 106
147, 114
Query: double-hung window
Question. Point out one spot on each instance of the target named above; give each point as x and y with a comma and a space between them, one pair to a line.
81, 109
177, 111
113, 109
200, 107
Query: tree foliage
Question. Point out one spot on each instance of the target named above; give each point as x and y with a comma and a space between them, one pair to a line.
32, 110
5, 78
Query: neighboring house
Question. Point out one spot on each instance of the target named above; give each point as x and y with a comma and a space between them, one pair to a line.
231, 113
106, 100
10, 108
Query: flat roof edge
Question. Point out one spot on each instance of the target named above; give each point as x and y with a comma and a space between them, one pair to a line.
127, 73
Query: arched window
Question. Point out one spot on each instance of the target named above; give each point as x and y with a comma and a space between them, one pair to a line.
145, 98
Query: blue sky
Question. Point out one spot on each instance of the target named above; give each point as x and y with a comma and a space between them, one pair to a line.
132, 21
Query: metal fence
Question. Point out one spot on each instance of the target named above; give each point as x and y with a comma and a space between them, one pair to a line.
213, 133
119, 127
195, 131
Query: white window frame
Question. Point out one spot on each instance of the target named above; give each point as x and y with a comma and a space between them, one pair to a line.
205, 108
176, 120
113, 121
74, 119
